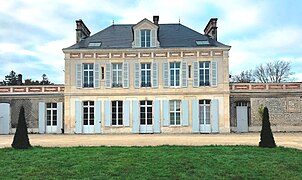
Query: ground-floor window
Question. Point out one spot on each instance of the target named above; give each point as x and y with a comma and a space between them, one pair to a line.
117, 112
51, 114
146, 112
204, 111
175, 112
88, 112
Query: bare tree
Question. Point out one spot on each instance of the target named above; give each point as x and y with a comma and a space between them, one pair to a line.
275, 72
244, 77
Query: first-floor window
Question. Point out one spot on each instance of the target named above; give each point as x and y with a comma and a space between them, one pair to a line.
175, 74
145, 112
117, 112
175, 112
204, 73
117, 75
51, 114
204, 111
88, 75
146, 74
88, 112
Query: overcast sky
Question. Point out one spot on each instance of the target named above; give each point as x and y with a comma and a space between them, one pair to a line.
33, 32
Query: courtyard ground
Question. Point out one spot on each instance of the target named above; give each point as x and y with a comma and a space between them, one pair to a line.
292, 140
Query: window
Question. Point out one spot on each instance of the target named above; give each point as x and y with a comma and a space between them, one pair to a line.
189, 69
204, 111
103, 72
175, 74
88, 75
175, 112
51, 114
204, 73
202, 42
94, 44
145, 112
146, 75
117, 112
88, 112
145, 38
117, 75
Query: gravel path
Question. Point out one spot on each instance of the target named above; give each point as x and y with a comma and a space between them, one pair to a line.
293, 140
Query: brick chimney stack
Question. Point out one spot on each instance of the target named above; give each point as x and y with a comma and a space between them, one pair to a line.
211, 28
81, 31
155, 20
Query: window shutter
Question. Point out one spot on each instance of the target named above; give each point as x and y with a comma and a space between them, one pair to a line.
195, 116
196, 74
41, 117
126, 111
166, 74
153, 38
166, 121
79, 75
78, 111
137, 73
156, 116
214, 73
185, 112
60, 117
126, 75
107, 111
215, 116
137, 38
155, 75
97, 116
96, 75
135, 117
184, 80
108, 75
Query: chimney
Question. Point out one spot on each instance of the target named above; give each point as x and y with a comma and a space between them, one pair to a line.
211, 28
81, 31
155, 20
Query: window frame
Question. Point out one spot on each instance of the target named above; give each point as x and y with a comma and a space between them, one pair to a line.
204, 82
90, 74
118, 81
117, 112
145, 79
145, 38
90, 111
174, 111
173, 70
146, 106
205, 103
53, 110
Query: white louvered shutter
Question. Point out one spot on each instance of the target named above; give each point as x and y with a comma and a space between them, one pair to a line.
153, 38
96, 75
214, 73
166, 74
137, 75
184, 75
125, 75
196, 74
108, 75
155, 75
137, 38
79, 75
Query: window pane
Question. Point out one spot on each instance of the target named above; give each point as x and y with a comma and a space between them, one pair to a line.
142, 102
91, 122
85, 122
114, 122
48, 105
54, 123
172, 122
149, 102
171, 105
48, 123
178, 118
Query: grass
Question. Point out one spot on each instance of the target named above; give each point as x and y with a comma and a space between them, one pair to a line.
162, 162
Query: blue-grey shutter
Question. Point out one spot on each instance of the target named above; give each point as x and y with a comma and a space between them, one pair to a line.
41, 117
215, 116
97, 116
195, 116
78, 112
196, 74
137, 38
79, 75
155, 75
60, 117
166, 120
108, 75
137, 76
126, 75
96, 75
214, 73
166, 74
126, 111
156, 116
5, 118
135, 116
153, 38
185, 112
184, 76
107, 111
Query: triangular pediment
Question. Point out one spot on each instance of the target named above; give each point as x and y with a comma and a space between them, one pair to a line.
145, 23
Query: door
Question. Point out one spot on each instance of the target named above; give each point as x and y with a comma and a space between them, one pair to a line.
88, 116
242, 118
146, 120
51, 118
204, 116
4, 118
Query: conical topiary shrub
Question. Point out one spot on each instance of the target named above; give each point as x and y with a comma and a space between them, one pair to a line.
266, 136
21, 140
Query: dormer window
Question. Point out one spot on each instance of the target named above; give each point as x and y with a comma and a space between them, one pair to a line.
145, 38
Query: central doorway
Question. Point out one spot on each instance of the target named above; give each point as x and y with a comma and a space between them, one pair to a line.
146, 120
51, 117
204, 116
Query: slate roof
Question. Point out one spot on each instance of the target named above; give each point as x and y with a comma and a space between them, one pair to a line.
170, 35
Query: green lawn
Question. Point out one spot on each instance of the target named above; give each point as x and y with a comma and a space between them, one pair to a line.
162, 162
